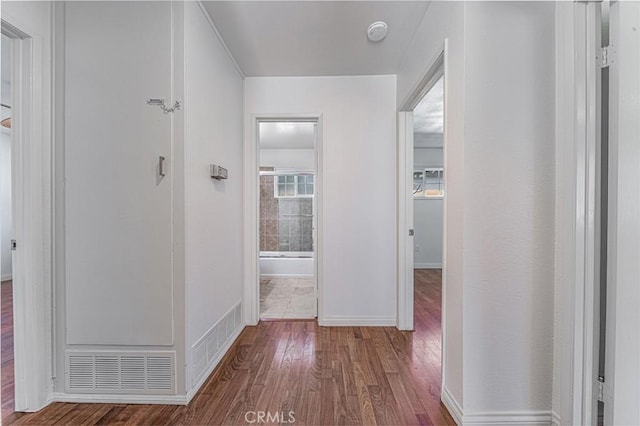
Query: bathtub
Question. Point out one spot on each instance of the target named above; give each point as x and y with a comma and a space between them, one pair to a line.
286, 264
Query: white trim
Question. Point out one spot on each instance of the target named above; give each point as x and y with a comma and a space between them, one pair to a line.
427, 266
120, 399
224, 45
405, 221
556, 420
251, 293
6, 277
214, 363
272, 276
507, 418
341, 321
577, 135
452, 405
32, 167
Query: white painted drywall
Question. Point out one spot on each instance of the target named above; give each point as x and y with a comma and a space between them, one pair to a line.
119, 288
6, 227
428, 157
499, 125
623, 314
213, 134
445, 20
300, 159
359, 192
509, 206
427, 241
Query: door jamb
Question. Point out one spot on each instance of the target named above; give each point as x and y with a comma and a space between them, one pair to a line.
33, 217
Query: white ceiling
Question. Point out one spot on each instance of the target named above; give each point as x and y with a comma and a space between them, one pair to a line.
315, 38
428, 116
287, 135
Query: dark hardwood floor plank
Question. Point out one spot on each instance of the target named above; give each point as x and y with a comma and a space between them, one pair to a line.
323, 375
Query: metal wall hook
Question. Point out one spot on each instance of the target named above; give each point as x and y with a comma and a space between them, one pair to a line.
162, 103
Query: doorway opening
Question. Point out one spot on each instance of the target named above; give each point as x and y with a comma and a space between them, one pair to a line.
287, 219
422, 212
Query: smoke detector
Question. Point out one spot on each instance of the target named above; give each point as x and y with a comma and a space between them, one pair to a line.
377, 31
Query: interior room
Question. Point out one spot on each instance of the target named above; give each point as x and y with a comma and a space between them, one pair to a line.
429, 178
320, 212
286, 210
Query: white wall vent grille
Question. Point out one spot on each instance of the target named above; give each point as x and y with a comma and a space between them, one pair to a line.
208, 348
150, 373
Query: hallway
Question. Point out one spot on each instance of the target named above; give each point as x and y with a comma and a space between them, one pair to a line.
324, 375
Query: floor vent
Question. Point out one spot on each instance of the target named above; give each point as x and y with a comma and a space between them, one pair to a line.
150, 373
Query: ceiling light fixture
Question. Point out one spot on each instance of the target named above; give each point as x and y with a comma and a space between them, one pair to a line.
377, 31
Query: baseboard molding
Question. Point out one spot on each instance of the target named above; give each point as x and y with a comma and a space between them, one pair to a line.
7, 277
489, 418
452, 405
427, 266
120, 399
555, 419
214, 363
337, 321
272, 276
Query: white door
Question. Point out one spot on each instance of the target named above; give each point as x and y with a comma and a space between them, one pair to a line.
117, 204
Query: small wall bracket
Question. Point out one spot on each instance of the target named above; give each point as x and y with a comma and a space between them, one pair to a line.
162, 103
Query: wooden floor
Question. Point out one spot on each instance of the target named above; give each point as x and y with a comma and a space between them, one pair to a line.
323, 375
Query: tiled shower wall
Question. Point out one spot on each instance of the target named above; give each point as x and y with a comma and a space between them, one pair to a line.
268, 215
295, 224
285, 224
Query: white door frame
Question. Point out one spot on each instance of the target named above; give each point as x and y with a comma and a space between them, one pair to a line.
577, 205
251, 294
32, 218
405, 263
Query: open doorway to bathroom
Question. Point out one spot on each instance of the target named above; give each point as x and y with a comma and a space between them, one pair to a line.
287, 219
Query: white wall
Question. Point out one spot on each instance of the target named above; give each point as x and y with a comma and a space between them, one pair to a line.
427, 215
499, 160
428, 157
6, 227
445, 21
359, 190
509, 206
213, 135
427, 240
300, 159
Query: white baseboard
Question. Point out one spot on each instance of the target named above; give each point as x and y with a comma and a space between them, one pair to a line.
489, 418
555, 419
427, 265
214, 363
120, 399
272, 276
337, 321
452, 405
7, 277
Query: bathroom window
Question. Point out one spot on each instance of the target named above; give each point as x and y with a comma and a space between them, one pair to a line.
428, 183
293, 186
